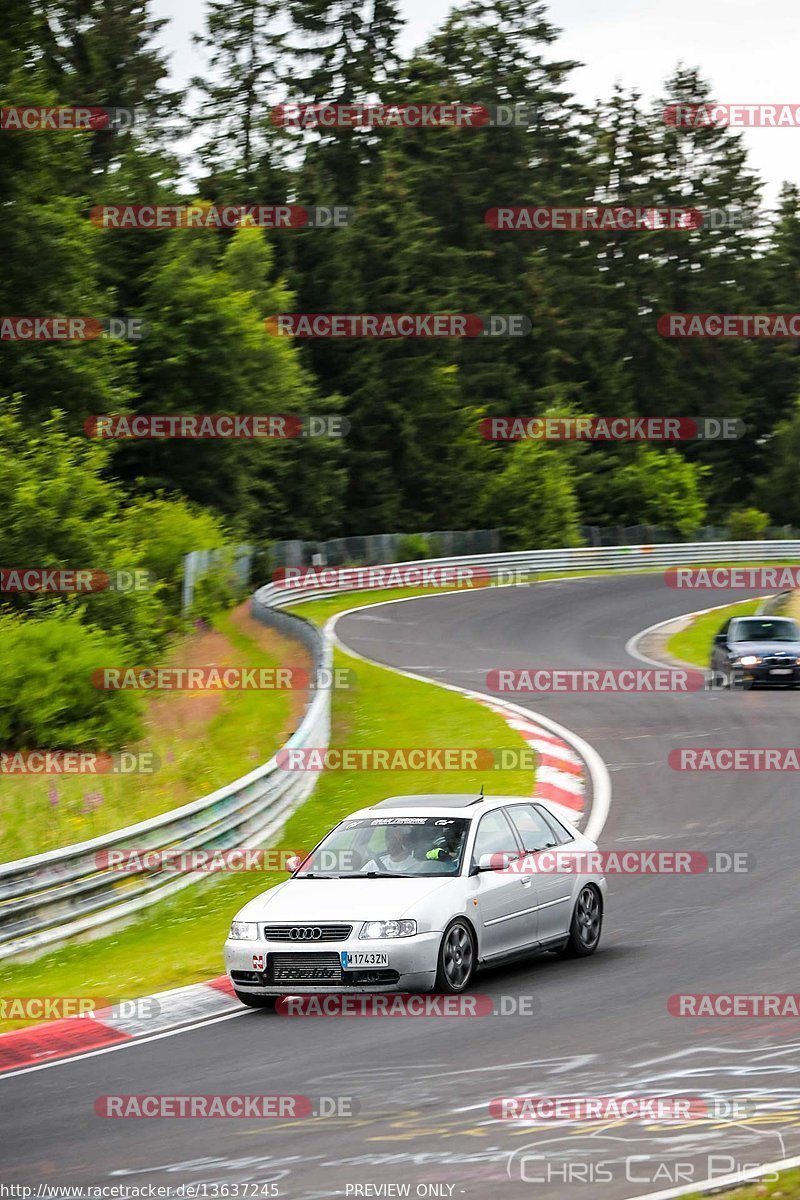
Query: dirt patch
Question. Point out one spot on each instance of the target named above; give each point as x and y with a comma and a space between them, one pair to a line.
182, 712
286, 650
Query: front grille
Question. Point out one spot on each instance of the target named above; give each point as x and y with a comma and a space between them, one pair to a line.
776, 660
300, 933
304, 968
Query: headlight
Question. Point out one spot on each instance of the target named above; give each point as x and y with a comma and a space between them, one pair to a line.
750, 660
388, 929
244, 931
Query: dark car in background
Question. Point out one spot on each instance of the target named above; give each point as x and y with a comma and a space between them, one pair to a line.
750, 650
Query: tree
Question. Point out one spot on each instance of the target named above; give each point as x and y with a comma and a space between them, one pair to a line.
245, 45
642, 485
777, 493
104, 53
533, 499
209, 352
49, 254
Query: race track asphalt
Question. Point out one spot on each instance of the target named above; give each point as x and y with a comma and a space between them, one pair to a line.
594, 1027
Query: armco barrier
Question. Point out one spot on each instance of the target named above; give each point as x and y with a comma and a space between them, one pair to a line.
51, 897
63, 893
506, 568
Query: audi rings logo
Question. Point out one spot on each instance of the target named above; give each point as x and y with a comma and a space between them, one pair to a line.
305, 933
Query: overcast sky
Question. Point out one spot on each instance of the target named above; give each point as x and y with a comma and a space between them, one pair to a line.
747, 50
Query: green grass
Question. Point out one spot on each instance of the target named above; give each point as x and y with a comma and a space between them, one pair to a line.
786, 1186
39, 813
693, 644
179, 940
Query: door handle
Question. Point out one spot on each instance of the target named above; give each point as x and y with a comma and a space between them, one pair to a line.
526, 882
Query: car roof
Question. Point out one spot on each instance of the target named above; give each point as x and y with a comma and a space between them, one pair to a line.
436, 804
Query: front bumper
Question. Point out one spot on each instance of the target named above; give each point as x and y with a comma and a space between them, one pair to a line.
768, 673
412, 963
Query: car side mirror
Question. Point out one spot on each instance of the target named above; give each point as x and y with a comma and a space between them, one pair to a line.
494, 862
293, 863
721, 639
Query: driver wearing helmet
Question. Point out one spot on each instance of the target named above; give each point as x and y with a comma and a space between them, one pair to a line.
448, 846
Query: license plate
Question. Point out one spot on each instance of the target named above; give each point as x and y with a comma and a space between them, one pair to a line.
781, 671
364, 958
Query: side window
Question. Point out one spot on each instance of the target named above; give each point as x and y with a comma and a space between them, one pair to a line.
533, 829
723, 629
563, 835
494, 836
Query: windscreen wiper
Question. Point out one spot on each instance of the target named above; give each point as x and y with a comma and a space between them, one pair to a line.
377, 875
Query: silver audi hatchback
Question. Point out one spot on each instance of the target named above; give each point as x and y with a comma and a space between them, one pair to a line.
415, 894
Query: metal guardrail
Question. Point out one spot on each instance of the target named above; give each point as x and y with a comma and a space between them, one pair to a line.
49, 898
507, 567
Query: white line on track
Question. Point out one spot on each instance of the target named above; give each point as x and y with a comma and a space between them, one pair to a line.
153, 1037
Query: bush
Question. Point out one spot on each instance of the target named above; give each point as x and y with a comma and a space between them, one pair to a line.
533, 499
214, 591
161, 532
412, 546
47, 698
747, 524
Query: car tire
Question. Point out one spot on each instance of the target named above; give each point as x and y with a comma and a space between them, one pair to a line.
455, 965
586, 925
267, 1002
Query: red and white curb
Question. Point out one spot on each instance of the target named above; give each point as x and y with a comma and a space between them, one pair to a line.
560, 772
107, 1027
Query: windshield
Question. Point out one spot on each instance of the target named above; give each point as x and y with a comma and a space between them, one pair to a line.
758, 630
369, 847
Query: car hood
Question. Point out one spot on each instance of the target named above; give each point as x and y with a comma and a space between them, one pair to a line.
792, 649
349, 900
